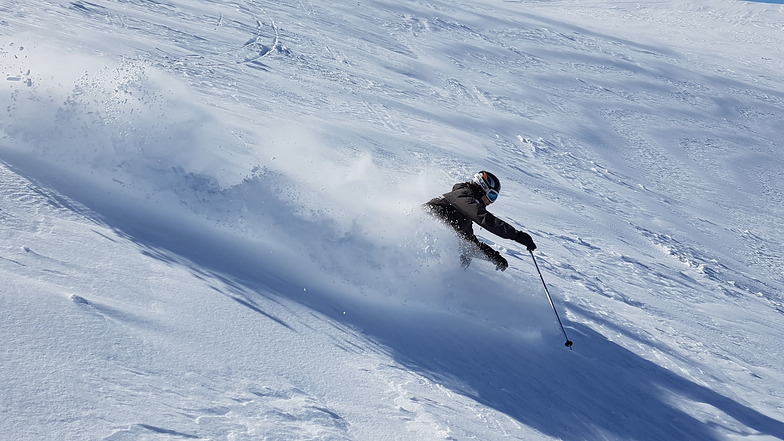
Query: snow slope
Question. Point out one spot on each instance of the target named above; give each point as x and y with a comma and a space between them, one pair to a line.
211, 229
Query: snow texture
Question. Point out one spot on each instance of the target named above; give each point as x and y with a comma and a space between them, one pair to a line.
210, 222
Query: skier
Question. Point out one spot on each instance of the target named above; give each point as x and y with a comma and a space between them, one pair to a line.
467, 203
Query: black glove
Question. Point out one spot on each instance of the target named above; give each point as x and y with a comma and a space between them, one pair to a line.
525, 239
501, 264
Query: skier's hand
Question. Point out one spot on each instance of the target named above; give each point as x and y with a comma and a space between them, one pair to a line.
525, 239
501, 264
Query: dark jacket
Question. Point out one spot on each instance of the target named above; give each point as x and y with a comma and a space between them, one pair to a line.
463, 206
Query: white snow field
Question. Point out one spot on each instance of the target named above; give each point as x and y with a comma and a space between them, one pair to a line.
210, 222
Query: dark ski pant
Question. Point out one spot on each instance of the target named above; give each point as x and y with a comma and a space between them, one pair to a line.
471, 247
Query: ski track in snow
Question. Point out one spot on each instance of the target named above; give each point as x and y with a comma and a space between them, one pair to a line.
645, 164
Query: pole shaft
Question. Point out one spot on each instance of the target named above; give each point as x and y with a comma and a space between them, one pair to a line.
550, 298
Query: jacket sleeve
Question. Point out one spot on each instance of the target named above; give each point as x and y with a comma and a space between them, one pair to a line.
462, 198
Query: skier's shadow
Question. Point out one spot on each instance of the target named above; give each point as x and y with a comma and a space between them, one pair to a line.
600, 390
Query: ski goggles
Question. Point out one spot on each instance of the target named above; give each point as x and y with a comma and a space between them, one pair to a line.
489, 192
492, 195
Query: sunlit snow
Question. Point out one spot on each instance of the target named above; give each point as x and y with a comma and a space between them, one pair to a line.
211, 224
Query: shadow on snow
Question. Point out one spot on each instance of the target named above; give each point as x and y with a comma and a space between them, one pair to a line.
542, 385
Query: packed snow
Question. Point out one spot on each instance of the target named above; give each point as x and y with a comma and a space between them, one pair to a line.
211, 224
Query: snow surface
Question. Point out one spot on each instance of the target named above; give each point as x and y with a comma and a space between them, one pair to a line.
210, 224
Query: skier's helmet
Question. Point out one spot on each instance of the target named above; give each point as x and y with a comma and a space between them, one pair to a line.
489, 183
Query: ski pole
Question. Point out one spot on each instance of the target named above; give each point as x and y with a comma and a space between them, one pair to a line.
568, 343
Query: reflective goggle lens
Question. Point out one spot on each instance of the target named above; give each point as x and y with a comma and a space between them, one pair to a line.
492, 195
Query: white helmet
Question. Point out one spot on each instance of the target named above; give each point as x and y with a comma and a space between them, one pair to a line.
489, 184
